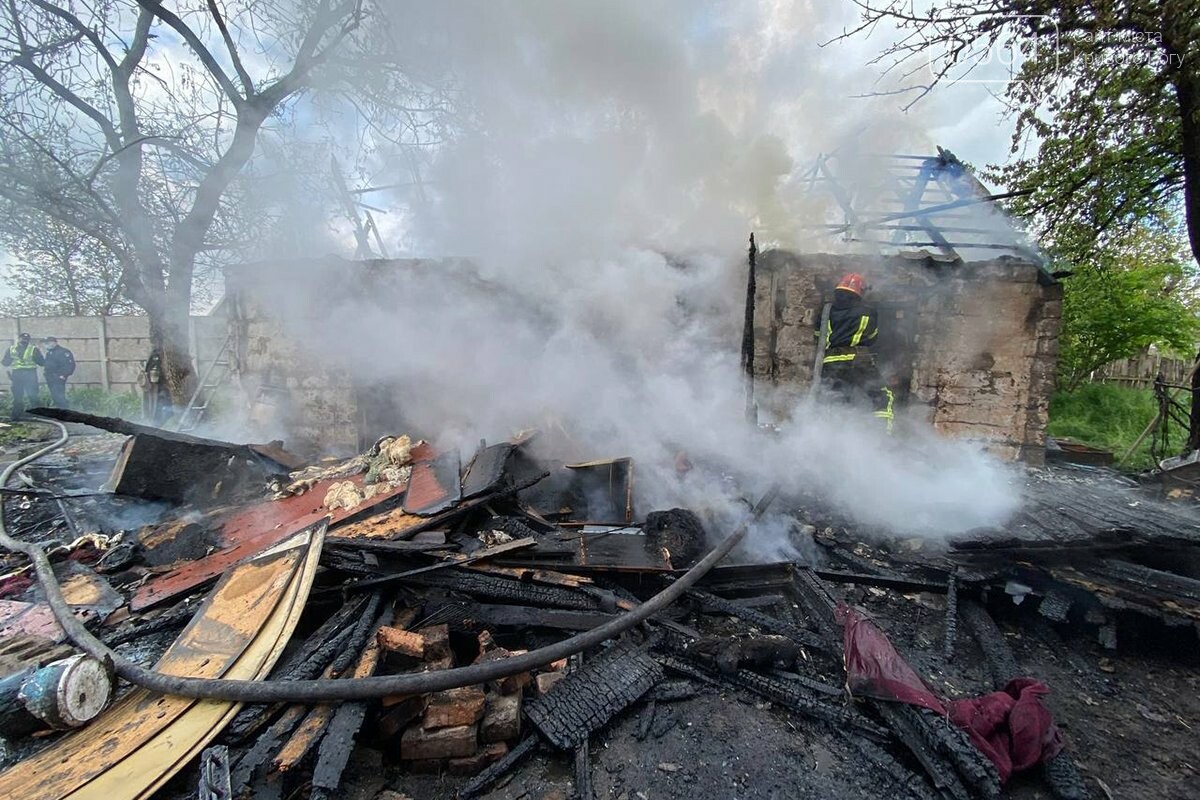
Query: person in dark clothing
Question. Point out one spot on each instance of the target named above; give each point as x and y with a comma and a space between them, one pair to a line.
848, 370
22, 360
59, 365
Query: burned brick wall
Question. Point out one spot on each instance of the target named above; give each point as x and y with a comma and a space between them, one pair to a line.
969, 348
291, 394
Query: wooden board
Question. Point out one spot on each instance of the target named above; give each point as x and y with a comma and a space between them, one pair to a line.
239, 631
172, 749
250, 531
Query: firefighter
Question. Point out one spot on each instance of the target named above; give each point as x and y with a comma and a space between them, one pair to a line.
22, 360
848, 370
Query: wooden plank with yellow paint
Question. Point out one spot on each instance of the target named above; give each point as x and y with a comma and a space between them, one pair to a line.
234, 617
153, 764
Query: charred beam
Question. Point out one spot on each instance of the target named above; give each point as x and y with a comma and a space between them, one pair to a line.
762, 620
483, 780
588, 698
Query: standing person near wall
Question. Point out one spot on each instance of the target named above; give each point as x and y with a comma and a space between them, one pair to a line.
59, 365
848, 369
22, 360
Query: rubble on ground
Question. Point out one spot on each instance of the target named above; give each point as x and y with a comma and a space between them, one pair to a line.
1000, 661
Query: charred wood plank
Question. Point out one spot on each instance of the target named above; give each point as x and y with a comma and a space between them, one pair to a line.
1065, 779
954, 765
898, 583
583, 773
906, 724
588, 698
523, 616
1001, 663
789, 694
485, 779
479, 555
332, 639
953, 743
1061, 772
813, 595
343, 721
509, 591
388, 547
762, 620
908, 783
951, 628
486, 470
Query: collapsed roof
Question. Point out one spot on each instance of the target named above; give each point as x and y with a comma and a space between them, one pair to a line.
912, 204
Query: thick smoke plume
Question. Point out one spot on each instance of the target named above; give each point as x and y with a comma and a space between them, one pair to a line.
611, 160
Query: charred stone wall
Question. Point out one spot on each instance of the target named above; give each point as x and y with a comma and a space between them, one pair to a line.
969, 348
292, 395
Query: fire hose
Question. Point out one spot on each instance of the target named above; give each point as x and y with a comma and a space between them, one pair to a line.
325, 691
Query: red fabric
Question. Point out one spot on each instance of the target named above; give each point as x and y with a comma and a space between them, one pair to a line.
1012, 727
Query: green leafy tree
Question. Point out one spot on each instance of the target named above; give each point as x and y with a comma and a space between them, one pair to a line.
1106, 98
1135, 291
54, 270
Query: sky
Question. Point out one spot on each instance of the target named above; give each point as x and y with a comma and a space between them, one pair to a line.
966, 118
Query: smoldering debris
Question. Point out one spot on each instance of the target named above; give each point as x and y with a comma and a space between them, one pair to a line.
414, 594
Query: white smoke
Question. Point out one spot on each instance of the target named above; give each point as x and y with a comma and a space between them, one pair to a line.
611, 160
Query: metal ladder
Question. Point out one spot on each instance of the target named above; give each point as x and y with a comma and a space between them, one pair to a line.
193, 413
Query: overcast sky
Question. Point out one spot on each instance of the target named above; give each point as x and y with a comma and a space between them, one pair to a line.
966, 118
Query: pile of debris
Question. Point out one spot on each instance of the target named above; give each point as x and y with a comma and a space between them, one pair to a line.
457, 619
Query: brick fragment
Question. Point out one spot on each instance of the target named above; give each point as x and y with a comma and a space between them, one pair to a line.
437, 642
455, 707
502, 722
418, 743
545, 681
395, 640
397, 716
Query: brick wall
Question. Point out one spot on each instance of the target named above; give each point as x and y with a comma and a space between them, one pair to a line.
971, 348
294, 395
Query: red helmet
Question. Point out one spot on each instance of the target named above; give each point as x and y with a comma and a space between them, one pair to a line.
853, 282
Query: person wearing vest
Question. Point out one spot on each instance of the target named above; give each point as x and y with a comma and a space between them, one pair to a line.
22, 360
59, 365
848, 370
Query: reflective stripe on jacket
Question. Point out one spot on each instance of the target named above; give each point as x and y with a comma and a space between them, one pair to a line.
22, 360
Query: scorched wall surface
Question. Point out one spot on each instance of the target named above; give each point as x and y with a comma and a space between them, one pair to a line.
970, 348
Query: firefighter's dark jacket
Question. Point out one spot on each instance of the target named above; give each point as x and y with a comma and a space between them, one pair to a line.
852, 325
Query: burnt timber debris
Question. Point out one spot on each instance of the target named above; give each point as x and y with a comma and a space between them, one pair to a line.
390, 573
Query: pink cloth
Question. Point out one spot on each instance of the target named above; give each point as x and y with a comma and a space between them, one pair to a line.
1011, 727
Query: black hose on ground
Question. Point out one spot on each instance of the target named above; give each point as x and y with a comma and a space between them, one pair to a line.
324, 691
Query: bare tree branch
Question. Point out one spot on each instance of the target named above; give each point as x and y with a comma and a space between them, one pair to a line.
196, 46
247, 82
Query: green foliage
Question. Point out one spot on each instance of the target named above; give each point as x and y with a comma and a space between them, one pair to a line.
126, 405
1109, 417
19, 432
1103, 112
1125, 296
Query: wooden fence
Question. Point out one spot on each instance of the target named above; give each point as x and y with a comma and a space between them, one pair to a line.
1140, 370
111, 351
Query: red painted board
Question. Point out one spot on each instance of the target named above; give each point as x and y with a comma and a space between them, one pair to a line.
248, 532
434, 485
35, 619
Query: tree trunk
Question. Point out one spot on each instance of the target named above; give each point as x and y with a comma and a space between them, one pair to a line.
169, 338
1187, 91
